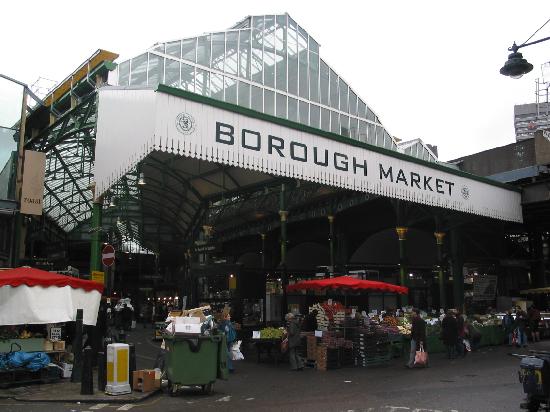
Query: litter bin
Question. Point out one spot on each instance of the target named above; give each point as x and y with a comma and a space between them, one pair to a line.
193, 360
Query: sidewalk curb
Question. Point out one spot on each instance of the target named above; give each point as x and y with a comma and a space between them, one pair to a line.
108, 399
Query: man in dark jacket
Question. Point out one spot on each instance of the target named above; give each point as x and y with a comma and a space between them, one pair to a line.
418, 336
296, 363
310, 321
449, 333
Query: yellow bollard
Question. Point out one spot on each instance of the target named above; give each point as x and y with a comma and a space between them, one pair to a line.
118, 357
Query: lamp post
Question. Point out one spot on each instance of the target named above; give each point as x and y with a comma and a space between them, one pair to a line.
516, 66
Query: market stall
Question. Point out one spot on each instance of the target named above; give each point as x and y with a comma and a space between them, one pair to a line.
34, 305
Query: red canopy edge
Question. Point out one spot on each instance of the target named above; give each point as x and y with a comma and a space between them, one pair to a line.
36, 277
347, 282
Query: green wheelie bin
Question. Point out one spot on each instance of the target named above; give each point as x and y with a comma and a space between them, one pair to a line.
195, 360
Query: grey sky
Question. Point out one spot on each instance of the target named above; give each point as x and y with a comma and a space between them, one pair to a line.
429, 69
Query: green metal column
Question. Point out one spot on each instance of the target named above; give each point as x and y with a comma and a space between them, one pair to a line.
458, 276
331, 240
95, 247
284, 215
20, 231
263, 236
402, 234
439, 236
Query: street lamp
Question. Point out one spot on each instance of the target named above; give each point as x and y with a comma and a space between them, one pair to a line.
516, 66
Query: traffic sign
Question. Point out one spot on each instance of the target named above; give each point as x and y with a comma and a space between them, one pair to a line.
108, 255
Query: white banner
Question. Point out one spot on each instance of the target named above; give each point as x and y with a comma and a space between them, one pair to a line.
32, 193
136, 122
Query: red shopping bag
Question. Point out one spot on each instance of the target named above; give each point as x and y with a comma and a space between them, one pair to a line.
421, 357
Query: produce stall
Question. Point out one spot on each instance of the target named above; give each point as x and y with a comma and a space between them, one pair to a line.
267, 341
34, 305
345, 336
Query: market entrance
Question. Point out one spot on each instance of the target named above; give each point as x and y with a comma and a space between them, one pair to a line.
203, 182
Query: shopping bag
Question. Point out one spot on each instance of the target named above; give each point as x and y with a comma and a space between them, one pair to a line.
284, 345
515, 337
236, 353
467, 345
133, 324
421, 357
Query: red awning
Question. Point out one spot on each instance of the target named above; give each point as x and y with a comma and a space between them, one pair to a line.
36, 277
347, 283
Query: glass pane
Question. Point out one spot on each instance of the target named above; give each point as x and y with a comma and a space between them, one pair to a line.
156, 70
371, 134
280, 53
124, 73
244, 54
352, 103
313, 45
353, 128
139, 70
344, 125
244, 94
203, 50
269, 102
325, 119
379, 136
362, 131
257, 98
281, 106
334, 124
292, 109
231, 52
304, 112
314, 76
218, 51
333, 90
314, 116
172, 75
174, 48
230, 90
387, 140
303, 64
343, 96
324, 83
188, 49
269, 51
361, 109
187, 77
216, 86
292, 58
202, 85
159, 48
370, 115
257, 53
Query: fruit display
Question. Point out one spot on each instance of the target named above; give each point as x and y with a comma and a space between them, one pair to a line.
390, 321
272, 333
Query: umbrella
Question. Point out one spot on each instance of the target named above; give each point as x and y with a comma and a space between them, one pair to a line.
33, 296
348, 283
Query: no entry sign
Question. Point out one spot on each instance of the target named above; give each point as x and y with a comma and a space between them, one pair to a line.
108, 255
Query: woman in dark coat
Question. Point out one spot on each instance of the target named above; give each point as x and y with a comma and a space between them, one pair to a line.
449, 333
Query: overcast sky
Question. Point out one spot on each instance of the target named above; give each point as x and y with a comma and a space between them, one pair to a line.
429, 69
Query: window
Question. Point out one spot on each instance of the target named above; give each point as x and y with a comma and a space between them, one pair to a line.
156, 70
244, 94
333, 91
216, 86
172, 73
281, 106
352, 103
344, 125
280, 53
244, 54
292, 58
230, 90
362, 131
232, 52
202, 85
344, 96
257, 53
325, 120
314, 76
324, 83
269, 51
188, 49
218, 51
292, 109
257, 99
174, 49
304, 112
203, 50
124, 73
187, 77
269, 102
315, 116
334, 124
139, 70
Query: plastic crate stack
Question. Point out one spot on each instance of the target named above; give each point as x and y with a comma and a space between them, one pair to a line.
371, 347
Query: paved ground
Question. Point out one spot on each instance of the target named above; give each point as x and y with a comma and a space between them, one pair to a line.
484, 381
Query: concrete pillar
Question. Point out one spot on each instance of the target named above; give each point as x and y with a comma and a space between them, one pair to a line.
439, 236
95, 244
283, 213
331, 240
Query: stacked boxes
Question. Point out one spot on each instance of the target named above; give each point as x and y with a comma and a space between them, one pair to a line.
311, 348
371, 348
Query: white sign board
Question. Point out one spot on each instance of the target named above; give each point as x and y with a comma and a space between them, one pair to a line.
32, 193
55, 334
138, 122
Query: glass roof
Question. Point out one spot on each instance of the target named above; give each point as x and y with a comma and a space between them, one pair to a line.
267, 63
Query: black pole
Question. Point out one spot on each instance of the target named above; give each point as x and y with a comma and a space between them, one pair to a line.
76, 376
132, 364
101, 371
87, 382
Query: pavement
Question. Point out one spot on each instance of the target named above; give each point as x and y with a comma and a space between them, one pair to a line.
484, 381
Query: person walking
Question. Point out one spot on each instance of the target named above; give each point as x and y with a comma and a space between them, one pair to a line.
293, 330
226, 327
521, 326
462, 335
418, 337
534, 320
449, 333
508, 326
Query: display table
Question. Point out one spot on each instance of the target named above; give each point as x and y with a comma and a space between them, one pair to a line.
491, 335
270, 347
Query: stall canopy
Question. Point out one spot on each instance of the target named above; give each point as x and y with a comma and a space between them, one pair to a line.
33, 296
347, 283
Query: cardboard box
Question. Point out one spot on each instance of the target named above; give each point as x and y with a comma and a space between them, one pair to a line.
59, 345
48, 345
144, 380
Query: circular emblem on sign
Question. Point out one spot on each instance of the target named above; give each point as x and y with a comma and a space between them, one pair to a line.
185, 123
465, 192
